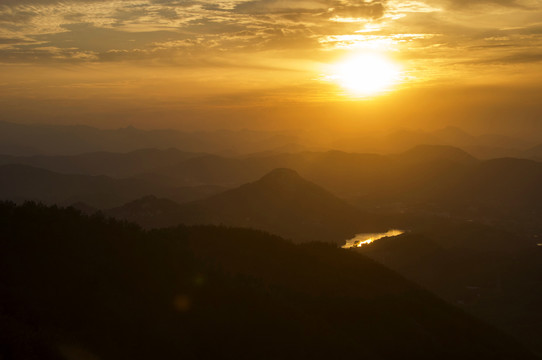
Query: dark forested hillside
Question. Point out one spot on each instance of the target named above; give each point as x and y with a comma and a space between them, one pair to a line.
79, 287
493, 274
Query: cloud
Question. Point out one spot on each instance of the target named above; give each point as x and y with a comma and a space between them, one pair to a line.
180, 3
211, 26
44, 54
478, 2
9, 41
469, 4
88, 37
120, 29
372, 10
43, 2
267, 7
164, 31
524, 57
16, 16
354, 9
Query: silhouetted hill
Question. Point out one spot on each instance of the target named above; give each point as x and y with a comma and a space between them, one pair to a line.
104, 163
534, 153
435, 178
493, 189
404, 139
514, 183
212, 169
344, 173
494, 275
21, 182
280, 202
34, 139
428, 178
486, 146
84, 208
150, 212
87, 287
429, 153
284, 203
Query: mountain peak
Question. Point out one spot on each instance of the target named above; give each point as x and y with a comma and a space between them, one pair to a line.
281, 173
423, 153
282, 178
284, 203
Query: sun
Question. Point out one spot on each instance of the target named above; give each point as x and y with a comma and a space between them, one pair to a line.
366, 74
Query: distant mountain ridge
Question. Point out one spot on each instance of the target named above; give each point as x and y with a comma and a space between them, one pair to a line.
485, 146
442, 177
34, 139
22, 182
534, 153
104, 163
427, 153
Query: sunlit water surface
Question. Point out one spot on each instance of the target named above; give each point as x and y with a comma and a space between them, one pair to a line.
366, 238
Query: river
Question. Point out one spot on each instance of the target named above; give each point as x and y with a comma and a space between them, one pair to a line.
366, 238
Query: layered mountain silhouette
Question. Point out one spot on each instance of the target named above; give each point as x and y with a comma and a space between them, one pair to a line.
444, 176
346, 174
22, 182
434, 178
486, 146
36, 139
117, 165
534, 153
81, 287
472, 225
436, 153
281, 202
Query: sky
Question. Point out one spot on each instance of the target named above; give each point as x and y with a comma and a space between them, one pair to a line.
273, 64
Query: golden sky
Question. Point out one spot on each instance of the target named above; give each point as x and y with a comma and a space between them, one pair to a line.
272, 63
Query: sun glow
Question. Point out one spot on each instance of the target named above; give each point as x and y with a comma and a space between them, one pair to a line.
366, 74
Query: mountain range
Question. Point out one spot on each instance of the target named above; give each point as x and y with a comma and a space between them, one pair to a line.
435, 179
23, 183
36, 139
117, 165
472, 226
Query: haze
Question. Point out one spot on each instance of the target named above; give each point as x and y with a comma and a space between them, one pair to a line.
266, 64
